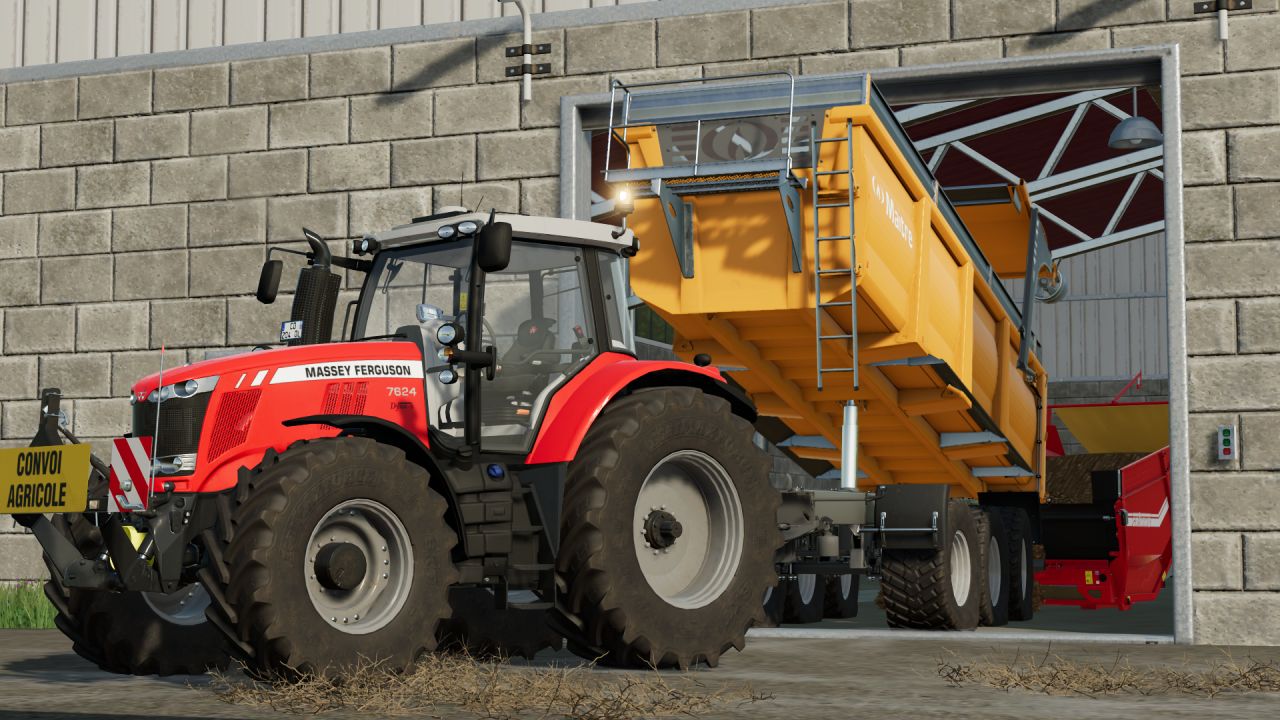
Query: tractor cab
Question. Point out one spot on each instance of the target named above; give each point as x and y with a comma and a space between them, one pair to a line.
506, 308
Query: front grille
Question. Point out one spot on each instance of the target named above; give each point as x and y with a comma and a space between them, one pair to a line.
180, 422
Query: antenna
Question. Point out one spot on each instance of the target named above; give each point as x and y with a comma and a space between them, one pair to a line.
155, 436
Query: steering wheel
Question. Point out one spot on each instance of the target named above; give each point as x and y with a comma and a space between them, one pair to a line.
462, 321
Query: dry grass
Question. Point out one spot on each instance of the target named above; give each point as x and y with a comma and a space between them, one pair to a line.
448, 683
1054, 675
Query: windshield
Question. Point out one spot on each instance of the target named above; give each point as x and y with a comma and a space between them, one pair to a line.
535, 315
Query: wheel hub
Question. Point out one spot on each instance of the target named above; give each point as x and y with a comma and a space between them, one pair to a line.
340, 566
661, 529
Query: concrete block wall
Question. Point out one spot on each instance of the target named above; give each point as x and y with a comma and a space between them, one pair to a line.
137, 205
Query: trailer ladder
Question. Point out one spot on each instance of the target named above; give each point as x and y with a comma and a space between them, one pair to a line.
825, 201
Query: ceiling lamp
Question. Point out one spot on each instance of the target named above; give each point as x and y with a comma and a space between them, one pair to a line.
1136, 132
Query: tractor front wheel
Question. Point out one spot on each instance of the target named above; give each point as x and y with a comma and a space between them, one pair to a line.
669, 532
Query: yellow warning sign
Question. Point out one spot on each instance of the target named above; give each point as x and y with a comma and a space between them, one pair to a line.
44, 479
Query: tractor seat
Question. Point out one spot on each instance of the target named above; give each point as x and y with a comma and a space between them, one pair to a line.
531, 336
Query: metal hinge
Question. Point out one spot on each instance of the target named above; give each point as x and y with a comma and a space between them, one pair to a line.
1228, 5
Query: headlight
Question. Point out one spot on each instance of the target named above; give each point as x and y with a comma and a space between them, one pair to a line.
186, 389
154, 396
467, 227
446, 232
183, 390
448, 376
449, 333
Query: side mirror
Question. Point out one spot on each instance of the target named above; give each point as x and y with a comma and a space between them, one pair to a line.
269, 281
493, 247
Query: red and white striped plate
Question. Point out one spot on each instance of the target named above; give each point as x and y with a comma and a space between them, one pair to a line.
130, 473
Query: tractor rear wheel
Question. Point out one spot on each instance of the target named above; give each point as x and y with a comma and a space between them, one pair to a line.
339, 555
937, 589
669, 532
134, 633
483, 631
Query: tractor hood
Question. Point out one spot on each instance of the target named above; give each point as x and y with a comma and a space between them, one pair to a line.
292, 364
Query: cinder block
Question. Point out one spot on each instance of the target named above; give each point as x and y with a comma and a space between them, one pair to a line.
492, 60
325, 214
269, 80
1234, 501
1062, 42
351, 72
484, 108
234, 222
191, 88
434, 64
1253, 43
751, 67
76, 278
528, 153
1258, 213
17, 237
305, 124
149, 228
1203, 433
789, 31
151, 275
41, 101
1231, 100
544, 109
1211, 327
1079, 14
75, 233
115, 95
111, 326
988, 18
252, 323
148, 138
102, 418
269, 173
1239, 382
540, 197
1207, 213
500, 196
373, 210
21, 559
1260, 325
433, 161
616, 46
1183, 11
19, 148
80, 143
39, 330
1262, 561
225, 271
891, 23
189, 179
78, 376
128, 368
704, 38
1258, 447
1204, 158
351, 167
1255, 155
952, 52
683, 72
1201, 50
22, 286
850, 62
189, 323
35, 191
1236, 618
229, 130
1217, 561
100, 186
391, 116
18, 378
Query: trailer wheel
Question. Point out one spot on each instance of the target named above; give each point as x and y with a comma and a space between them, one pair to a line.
481, 630
774, 599
1021, 577
339, 555
134, 633
842, 596
806, 599
936, 589
995, 611
669, 531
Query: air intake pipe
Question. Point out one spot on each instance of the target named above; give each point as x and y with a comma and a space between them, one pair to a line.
317, 295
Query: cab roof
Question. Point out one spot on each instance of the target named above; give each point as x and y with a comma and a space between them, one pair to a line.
526, 227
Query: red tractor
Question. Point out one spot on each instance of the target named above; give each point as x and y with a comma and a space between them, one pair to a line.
481, 459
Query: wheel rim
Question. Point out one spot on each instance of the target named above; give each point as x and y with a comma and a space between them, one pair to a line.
995, 570
698, 565
184, 606
961, 568
807, 585
379, 595
1024, 571
846, 586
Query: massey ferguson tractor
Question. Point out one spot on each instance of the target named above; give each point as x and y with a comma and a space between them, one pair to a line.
480, 459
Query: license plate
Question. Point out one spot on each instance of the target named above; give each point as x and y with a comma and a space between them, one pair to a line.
44, 479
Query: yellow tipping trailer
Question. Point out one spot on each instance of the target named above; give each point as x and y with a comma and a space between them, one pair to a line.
762, 206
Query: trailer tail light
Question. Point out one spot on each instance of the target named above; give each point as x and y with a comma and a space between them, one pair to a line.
231, 426
347, 398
